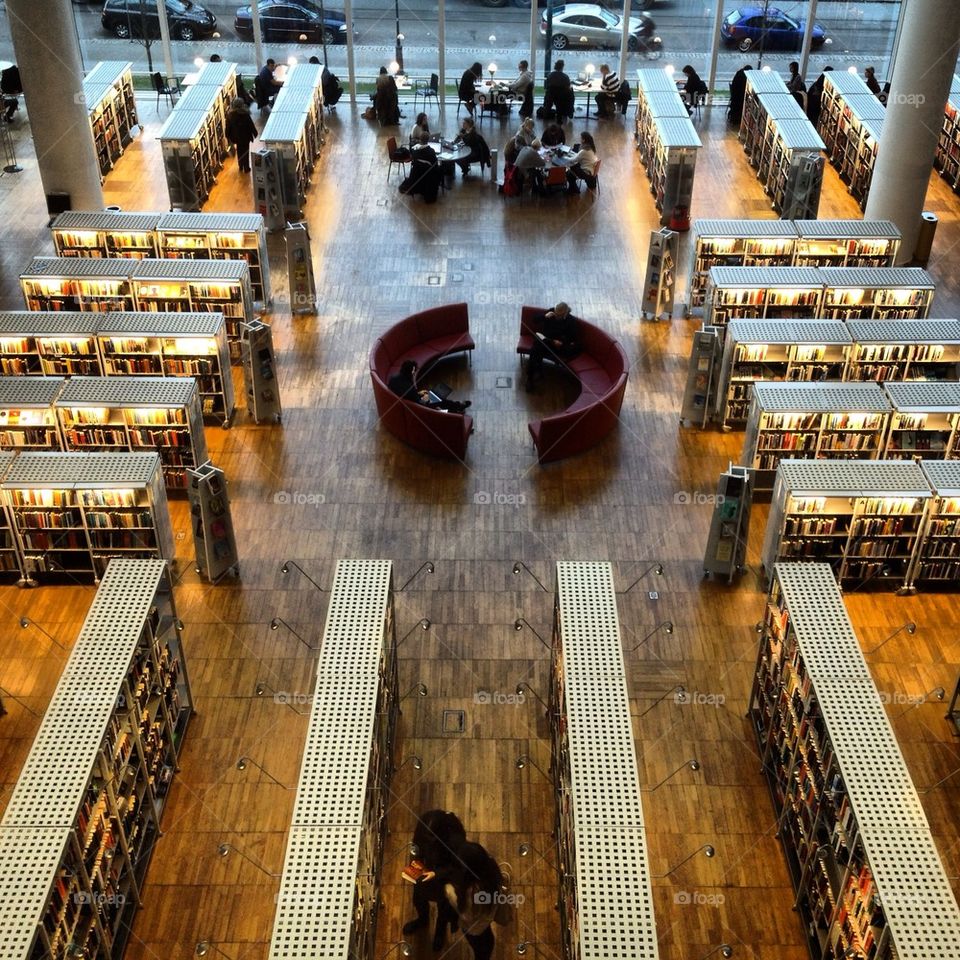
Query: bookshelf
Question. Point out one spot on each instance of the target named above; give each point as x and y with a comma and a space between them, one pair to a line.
95, 234
9, 555
947, 160
71, 283
924, 420
904, 350
330, 886
785, 350
606, 900
72, 512
112, 109
824, 421
172, 345
759, 82
657, 96
84, 817
858, 847
846, 243
938, 559
861, 293
294, 130
27, 417
761, 292
136, 414
863, 517
193, 140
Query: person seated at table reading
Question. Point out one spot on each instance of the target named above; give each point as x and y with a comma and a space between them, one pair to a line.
693, 88
585, 166
470, 137
558, 94
420, 127
425, 171
265, 86
553, 136
404, 385
466, 90
557, 339
530, 162
527, 133
607, 97
386, 100
523, 87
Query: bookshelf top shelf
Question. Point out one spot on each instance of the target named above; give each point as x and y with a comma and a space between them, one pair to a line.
652, 79
765, 81
829, 397
789, 331
847, 229
304, 76
218, 72
928, 396
284, 127
95, 268
944, 476
108, 71
846, 83
905, 331
6, 462
799, 134
103, 220
866, 106
676, 132
781, 106
173, 324
126, 391
665, 103
760, 277
914, 278
36, 323
188, 270
46, 470
209, 222
743, 229
853, 478
185, 125
29, 391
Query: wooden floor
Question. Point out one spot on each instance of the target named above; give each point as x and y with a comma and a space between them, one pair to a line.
379, 257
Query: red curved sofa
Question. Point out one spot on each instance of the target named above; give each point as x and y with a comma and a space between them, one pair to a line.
426, 338
601, 367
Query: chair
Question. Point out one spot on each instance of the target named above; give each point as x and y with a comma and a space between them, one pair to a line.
697, 106
398, 158
170, 91
596, 177
555, 180
428, 91
465, 103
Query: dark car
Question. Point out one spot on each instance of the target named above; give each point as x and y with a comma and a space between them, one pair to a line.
748, 27
291, 20
136, 18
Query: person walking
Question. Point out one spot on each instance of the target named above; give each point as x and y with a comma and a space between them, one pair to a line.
241, 131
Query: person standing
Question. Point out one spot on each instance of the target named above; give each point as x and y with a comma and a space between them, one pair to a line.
870, 78
241, 131
738, 92
815, 97
796, 84
558, 94
466, 90
386, 101
523, 87
557, 339
474, 892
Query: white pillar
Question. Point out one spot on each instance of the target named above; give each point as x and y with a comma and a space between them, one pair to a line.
807, 38
51, 71
623, 41
714, 52
351, 72
918, 90
258, 34
165, 40
442, 58
534, 38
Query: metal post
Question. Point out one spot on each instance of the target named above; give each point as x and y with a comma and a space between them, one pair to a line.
625, 33
807, 38
442, 56
534, 30
714, 52
351, 72
257, 34
165, 40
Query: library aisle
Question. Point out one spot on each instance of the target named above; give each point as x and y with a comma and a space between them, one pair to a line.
330, 484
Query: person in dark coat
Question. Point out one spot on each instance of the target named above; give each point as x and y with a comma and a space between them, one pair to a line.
558, 93
474, 891
479, 150
558, 340
738, 91
465, 90
424, 175
815, 97
386, 100
553, 135
693, 88
241, 131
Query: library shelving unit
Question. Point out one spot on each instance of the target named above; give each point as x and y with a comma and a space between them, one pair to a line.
606, 901
924, 420
172, 345
9, 554
904, 350
947, 160
48, 344
294, 131
862, 293
220, 286
219, 236
761, 292
785, 243
868, 878
753, 118
668, 142
73, 283
193, 140
938, 559
72, 512
327, 904
863, 517
851, 123
823, 421
84, 817
27, 418
112, 108
786, 350
135, 414
79, 233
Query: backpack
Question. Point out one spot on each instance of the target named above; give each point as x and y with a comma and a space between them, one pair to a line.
512, 183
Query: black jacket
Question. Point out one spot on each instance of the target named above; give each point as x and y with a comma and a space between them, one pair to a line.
437, 836
240, 127
405, 388
465, 91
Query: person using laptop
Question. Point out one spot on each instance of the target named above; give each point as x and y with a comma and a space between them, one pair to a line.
558, 339
404, 385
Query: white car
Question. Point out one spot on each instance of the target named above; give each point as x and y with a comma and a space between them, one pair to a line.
590, 25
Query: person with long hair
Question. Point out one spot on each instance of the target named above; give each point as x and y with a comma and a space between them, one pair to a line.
585, 167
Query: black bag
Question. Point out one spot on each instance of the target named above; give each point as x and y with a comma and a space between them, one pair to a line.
549, 114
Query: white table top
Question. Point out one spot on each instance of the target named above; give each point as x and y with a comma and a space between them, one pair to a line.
562, 156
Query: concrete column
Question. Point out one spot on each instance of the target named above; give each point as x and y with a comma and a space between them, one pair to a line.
442, 58
918, 91
48, 54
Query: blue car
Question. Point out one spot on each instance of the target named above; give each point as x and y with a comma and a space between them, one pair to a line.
748, 27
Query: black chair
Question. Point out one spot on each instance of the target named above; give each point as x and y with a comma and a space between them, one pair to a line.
10, 88
261, 93
429, 91
170, 91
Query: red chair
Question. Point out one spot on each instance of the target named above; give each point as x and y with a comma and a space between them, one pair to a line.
398, 157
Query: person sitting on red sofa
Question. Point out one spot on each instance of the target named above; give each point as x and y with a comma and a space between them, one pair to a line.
404, 385
557, 339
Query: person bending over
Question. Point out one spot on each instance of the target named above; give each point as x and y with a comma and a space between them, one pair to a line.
558, 339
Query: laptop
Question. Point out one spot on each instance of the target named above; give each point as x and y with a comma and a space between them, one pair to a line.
439, 392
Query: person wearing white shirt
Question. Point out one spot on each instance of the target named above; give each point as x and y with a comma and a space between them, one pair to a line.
607, 97
523, 87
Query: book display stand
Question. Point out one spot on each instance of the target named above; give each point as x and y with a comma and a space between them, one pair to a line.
660, 283
212, 523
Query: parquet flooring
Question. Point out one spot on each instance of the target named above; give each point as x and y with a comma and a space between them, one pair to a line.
378, 257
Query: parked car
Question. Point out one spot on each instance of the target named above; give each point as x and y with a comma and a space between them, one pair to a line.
291, 20
615, 5
589, 25
748, 27
133, 18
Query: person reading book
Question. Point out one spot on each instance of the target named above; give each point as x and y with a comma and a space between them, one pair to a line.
557, 340
404, 385
437, 838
